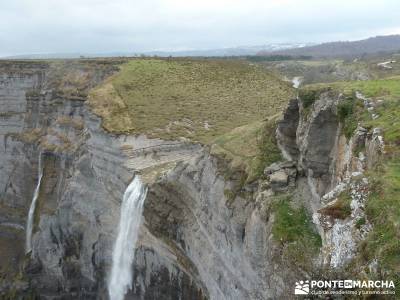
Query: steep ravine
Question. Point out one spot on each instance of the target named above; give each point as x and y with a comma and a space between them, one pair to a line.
195, 242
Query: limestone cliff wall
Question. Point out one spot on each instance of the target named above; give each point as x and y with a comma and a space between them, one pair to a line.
228, 241
331, 165
196, 241
86, 171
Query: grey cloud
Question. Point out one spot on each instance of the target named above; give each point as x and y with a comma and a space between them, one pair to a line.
45, 26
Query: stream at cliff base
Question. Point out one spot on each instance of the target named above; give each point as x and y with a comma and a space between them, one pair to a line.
31, 214
124, 247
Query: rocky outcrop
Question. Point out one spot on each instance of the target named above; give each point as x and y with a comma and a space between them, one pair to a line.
281, 175
286, 132
332, 166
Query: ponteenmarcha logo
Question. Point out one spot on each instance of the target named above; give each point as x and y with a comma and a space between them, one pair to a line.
302, 287
306, 287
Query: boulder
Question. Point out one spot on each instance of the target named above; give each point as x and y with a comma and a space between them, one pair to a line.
279, 181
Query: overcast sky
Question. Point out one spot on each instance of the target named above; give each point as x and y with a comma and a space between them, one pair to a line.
63, 26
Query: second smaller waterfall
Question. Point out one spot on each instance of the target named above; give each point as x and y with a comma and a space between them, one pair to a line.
128, 231
31, 214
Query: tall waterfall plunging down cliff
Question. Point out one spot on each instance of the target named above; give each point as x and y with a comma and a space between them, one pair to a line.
31, 214
124, 248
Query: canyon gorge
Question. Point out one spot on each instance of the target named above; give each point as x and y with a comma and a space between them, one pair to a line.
76, 223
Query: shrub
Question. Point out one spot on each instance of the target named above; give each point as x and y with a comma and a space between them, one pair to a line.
308, 97
346, 114
345, 109
340, 209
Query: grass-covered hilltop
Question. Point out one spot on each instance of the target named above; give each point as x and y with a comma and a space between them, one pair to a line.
198, 99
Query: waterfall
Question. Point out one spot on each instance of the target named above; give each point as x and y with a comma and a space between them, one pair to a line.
124, 247
31, 214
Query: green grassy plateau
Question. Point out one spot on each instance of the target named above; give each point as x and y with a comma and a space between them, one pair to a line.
195, 99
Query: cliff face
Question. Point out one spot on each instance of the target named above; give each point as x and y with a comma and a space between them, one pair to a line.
85, 174
197, 241
228, 241
332, 170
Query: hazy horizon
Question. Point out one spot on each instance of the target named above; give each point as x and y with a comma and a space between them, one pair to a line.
98, 26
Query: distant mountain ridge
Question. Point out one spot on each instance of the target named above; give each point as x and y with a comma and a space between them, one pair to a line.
340, 49
346, 49
233, 51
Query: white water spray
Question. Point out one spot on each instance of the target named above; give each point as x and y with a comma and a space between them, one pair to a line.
296, 81
31, 214
124, 247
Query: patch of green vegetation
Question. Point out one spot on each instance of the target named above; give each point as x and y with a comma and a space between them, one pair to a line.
294, 231
293, 225
250, 148
340, 209
193, 98
360, 222
309, 95
349, 126
383, 211
389, 122
268, 150
388, 88
345, 109
244, 152
347, 116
